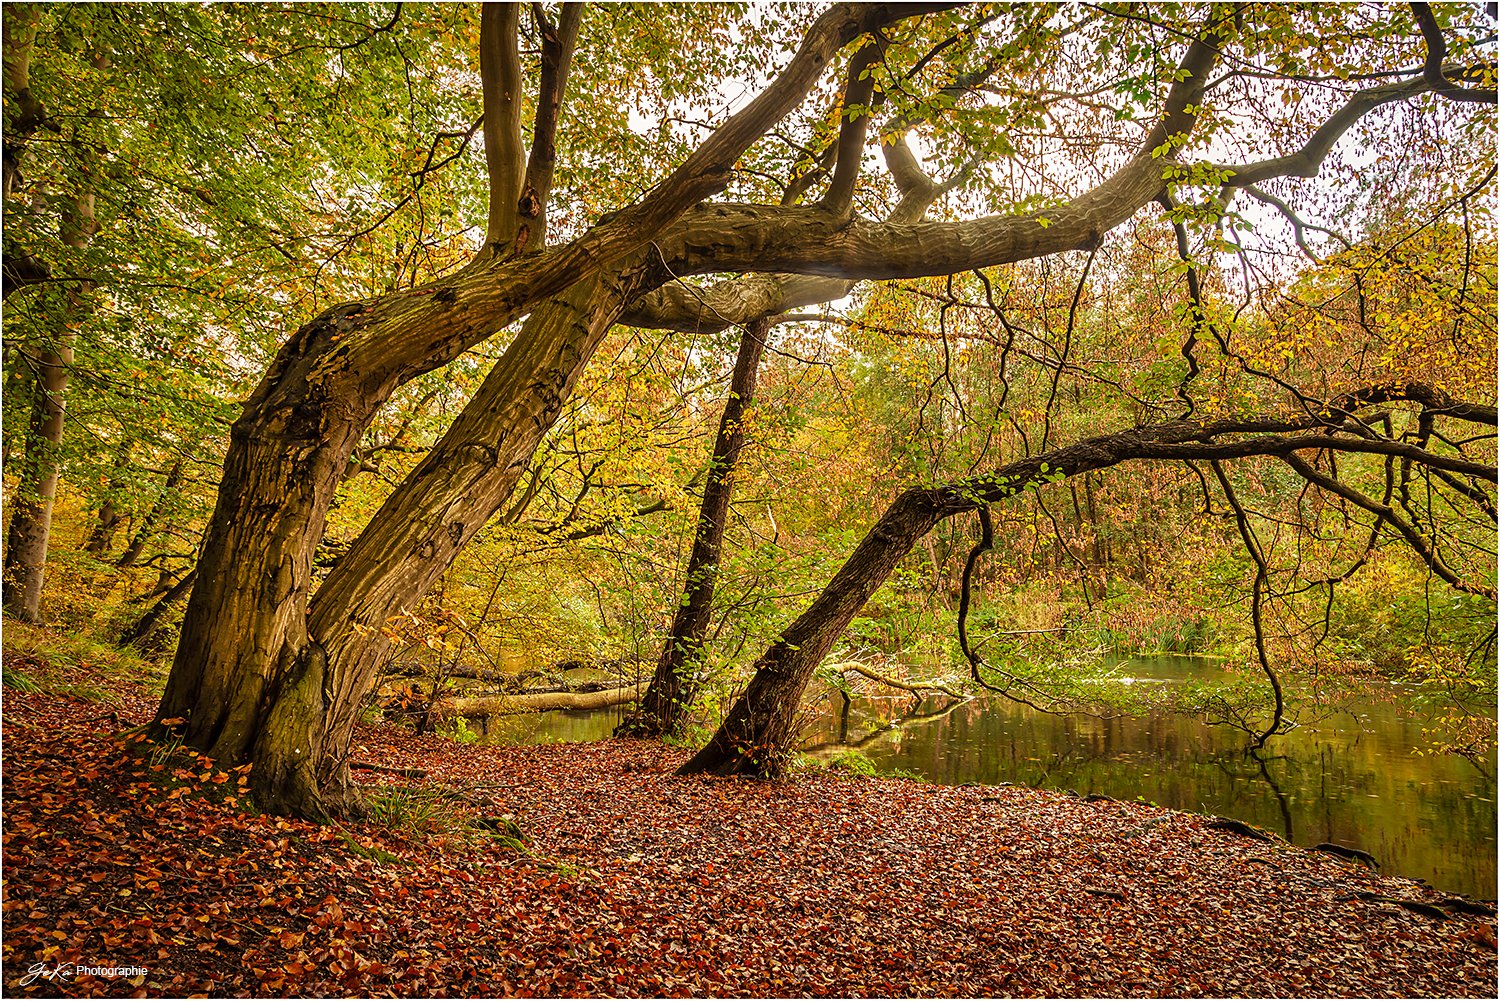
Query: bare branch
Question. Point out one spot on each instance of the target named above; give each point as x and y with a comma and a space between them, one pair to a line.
1309, 159
1257, 598
1385, 512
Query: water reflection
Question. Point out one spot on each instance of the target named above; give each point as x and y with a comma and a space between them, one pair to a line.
1358, 784
1356, 781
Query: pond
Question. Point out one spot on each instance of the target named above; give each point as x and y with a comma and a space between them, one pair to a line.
1355, 779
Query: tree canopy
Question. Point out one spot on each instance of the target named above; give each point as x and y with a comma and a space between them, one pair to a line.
386, 326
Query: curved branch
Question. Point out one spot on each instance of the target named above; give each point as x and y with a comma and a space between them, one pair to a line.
915, 688
1257, 599
1437, 51
1309, 159
754, 735
1388, 514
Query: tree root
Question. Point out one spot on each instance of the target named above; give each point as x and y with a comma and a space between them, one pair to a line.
1415, 906
1238, 827
1464, 905
1342, 851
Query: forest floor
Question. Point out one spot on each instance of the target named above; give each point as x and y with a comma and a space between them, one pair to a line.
636, 882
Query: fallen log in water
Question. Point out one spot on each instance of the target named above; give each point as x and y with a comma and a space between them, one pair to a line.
916, 687
510, 705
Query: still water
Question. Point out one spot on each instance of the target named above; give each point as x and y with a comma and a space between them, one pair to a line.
1355, 778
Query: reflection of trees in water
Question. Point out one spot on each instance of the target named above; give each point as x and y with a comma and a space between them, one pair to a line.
1352, 778
1262, 760
917, 715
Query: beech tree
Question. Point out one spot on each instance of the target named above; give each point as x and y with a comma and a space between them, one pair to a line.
272, 669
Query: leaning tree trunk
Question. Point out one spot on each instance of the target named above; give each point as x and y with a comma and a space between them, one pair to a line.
103, 534
31, 508
756, 736
245, 627
415, 536
673, 686
138, 634
109, 519
143, 534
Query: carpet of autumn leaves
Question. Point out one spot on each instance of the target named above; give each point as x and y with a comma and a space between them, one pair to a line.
637, 882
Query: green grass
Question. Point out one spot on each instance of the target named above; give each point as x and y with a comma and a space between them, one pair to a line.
19, 680
854, 763
55, 653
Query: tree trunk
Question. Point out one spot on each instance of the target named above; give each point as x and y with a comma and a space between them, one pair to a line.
31, 507
245, 627
138, 634
148, 524
673, 686
103, 534
31, 504
757, 734
466, 477
538, 702
268, 674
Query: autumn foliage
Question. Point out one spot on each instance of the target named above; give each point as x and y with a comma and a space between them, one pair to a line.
633, 882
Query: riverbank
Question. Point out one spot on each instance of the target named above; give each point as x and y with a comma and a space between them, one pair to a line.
636, 882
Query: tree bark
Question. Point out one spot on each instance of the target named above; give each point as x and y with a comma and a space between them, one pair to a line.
31, 505
673, 685
427, 521
538, 702
250, 681
24, 113
500, 76
103, 534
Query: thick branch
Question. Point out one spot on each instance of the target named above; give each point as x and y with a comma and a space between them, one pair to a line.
1309, 159
755, 734
855, 116
404, 335
558, 44
500, 74
1437, 50
915, 688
